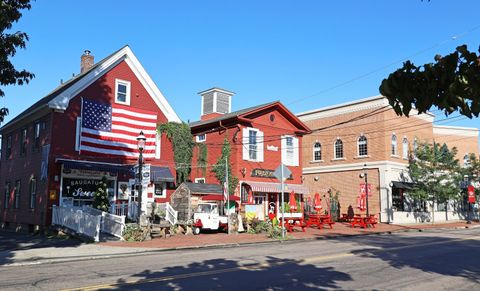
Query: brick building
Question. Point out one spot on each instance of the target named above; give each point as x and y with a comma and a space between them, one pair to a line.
54, 154
261, 138
366, 135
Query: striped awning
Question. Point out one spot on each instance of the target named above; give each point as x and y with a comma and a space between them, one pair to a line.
275, 187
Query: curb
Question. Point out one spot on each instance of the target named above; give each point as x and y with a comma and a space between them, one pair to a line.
40, 261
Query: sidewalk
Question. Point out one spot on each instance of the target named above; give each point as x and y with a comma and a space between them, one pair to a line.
61, 252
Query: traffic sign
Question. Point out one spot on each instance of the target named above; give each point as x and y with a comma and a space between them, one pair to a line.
278, 172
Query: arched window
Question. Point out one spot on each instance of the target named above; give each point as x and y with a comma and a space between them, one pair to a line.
466, 160
405, 148
394, 145
317, 152
338, 149
362, 146
415, 147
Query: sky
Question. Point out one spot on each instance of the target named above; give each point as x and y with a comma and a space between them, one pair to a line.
307, 54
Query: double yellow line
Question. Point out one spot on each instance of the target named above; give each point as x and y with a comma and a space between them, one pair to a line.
261, 266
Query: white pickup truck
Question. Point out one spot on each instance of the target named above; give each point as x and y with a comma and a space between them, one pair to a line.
206, 216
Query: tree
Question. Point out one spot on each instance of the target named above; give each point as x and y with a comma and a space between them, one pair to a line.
10, 11
182, 140
452, 84
436, 175
219, 168
100, 200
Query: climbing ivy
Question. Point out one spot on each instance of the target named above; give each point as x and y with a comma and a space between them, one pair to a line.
219, 168
100, 200
182, 140
202, 158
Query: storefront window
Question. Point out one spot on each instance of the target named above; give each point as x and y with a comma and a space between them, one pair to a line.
398, 199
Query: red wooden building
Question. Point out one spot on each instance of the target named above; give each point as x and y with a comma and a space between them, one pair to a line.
261, 137
57, 151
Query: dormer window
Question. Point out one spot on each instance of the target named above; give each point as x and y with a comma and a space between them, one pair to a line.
122, 92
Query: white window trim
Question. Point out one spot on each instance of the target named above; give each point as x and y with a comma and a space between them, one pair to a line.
405, 146
258, 142
197, 138
314, 150
296, 148
197, 180
158, 146
127, 98
392, 153
358, 146
164, 190
335, 158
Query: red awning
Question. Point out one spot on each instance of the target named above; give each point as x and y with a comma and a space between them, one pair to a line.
214, 197
275, 187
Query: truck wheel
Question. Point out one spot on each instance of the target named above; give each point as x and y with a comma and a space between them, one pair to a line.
196, 230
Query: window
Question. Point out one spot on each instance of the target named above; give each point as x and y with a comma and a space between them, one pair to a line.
362, 146
398, 199
317, 152
338, 149
290, 150
23, 142
158, 146
122, 92
36, 136
252, 145
259, 199
8, 148
466, 160
6, 195
200, 180
33, 192
17, 194
160, 190
415, 147
201, 137
394, 145
405, 148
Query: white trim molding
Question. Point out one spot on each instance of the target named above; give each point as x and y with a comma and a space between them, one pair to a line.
455, 130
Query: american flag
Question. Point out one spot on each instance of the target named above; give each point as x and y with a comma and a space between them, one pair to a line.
113, 130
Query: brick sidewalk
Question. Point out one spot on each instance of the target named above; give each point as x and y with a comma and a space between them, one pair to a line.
219, 239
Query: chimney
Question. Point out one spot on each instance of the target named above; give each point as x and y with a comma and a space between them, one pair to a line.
215, 102
86, 61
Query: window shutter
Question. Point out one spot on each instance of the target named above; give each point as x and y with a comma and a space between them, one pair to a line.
78, 133
284, 150
260, 146
245, 144
295, 152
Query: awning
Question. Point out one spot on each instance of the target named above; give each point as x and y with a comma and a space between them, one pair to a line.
94, 166
275, 187
403, 185
161, 174
214, 197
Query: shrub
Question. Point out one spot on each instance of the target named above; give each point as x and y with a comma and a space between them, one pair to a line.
133, 232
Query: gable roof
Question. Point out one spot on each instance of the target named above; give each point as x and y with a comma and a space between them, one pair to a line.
203, 188
60, 97
246, 112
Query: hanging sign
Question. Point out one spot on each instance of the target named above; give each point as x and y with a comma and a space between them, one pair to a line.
471, 194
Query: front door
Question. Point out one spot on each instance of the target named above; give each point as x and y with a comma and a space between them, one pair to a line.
272, 205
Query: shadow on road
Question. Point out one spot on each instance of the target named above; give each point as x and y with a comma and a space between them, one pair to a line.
274, 274
12, 241
431, 254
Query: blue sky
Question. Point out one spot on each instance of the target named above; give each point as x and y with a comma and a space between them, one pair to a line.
307, 54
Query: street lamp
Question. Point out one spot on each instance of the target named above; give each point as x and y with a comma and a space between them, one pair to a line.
365, 175
141, 146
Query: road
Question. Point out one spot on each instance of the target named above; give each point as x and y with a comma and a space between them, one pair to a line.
446, 259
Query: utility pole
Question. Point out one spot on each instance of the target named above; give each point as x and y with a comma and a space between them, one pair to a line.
227, 190
283, 199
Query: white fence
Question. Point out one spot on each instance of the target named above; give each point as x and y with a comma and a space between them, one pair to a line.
171, 215
119, 209
77, 220
88, 221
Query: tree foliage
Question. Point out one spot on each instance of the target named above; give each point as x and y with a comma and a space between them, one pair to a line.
452, 83
182, 140
471, 171
219, 168
435, 173
100, 200
202, 159
10, 12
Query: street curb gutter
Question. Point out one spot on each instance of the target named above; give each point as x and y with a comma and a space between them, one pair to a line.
39, 260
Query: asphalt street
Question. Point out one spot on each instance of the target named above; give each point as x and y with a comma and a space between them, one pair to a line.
442, 259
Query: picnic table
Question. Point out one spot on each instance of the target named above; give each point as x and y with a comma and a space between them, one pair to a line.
363, 221
319, 220
292, 222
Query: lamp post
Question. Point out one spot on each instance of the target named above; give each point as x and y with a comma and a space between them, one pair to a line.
141, 146
365, 175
